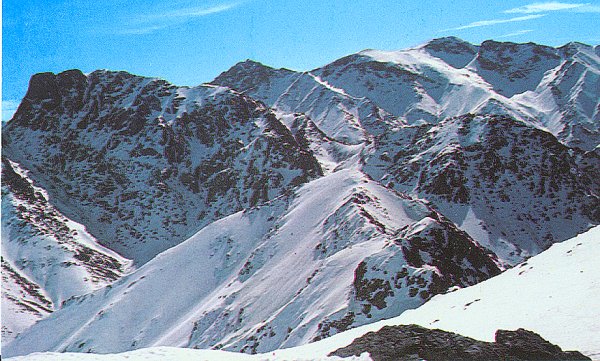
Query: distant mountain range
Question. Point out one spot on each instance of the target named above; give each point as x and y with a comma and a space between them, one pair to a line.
271, 208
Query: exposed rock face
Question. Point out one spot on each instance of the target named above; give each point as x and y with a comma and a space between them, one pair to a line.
457, 258
456, 52
515, 68
412, 343
490, 169
142, 163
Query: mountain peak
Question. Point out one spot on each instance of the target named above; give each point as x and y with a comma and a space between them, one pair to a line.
253, 65
249, 74
446, 40
454, 51
42, 86
493, 45
574, 47
250, 63
46, 85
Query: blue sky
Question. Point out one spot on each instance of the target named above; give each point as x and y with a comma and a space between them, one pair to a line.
190, 42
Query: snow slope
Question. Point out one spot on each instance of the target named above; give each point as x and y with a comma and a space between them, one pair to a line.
46, 257
554, 294
177, 354
343, 251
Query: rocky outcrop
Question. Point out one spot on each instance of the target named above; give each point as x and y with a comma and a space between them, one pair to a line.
412, 342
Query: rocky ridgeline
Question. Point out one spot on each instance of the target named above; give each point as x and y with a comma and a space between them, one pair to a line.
40, 219
46, 258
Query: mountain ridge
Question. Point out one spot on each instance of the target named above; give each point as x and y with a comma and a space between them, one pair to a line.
285, 207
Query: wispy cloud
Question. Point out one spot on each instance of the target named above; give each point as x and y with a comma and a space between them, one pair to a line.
516, 33
496, 21
588, 9
544, 7
9, 107
150, 22
187, 13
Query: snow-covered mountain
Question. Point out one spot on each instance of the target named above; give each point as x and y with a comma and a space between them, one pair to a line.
555, 89
538, 294
482, 171
479, 171
272, 208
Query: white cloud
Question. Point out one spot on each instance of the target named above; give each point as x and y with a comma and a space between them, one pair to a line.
516, 33
497, 21
544, 7
149, 23
587, 9
9, 107
188, 13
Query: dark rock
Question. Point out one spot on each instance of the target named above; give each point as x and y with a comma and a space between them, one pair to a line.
527, 345
16, 183
412, 342
459, 259
43, 86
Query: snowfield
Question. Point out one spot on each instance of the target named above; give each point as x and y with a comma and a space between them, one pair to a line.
175, 354
537, 295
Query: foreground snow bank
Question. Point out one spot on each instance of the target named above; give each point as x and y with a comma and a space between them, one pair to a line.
176, 354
